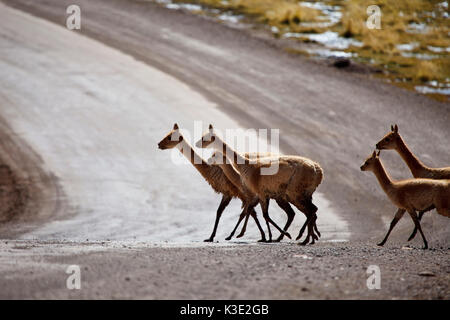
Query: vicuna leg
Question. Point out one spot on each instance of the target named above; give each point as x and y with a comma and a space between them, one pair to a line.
309, 209
413, 215
246, 212
223, 204
290, 213
314, 226
311, 221
253, 214
394, 221
244, 227
413, 234
265, 209
241, 216
300, 206
311, 229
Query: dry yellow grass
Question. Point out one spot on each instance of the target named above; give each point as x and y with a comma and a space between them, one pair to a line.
274, 12
399, 19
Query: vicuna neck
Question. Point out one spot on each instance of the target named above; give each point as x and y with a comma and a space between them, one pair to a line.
230, 153
383, 177
197, 161
231, 173
414, 164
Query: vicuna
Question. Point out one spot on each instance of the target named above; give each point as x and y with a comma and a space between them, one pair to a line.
410, 195
295, 181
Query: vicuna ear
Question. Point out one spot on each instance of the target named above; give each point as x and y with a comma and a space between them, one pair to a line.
392, 128
210, 127
378, 152
175, 126
374, 154
396, 128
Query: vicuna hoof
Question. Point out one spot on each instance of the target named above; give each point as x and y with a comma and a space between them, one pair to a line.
228, 238
240, 235
304, 242
299, 236
279, 239
262, 240
380, 244
287, 235
208, 240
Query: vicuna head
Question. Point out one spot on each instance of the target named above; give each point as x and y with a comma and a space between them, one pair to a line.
370, 162
171, 139
389, 141
207, 138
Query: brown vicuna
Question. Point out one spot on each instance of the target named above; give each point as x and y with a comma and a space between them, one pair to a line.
219, 159
394, 141
410, 195
212, 174
295, 180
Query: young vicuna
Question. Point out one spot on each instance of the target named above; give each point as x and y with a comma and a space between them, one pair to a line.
394, 141
212, 174
295, 180
219, 159
410, 195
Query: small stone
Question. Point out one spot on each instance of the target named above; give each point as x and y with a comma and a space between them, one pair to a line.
127, 279
427, 274
303, 256
341, 63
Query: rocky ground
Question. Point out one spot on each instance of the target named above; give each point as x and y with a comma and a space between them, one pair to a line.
131, 270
